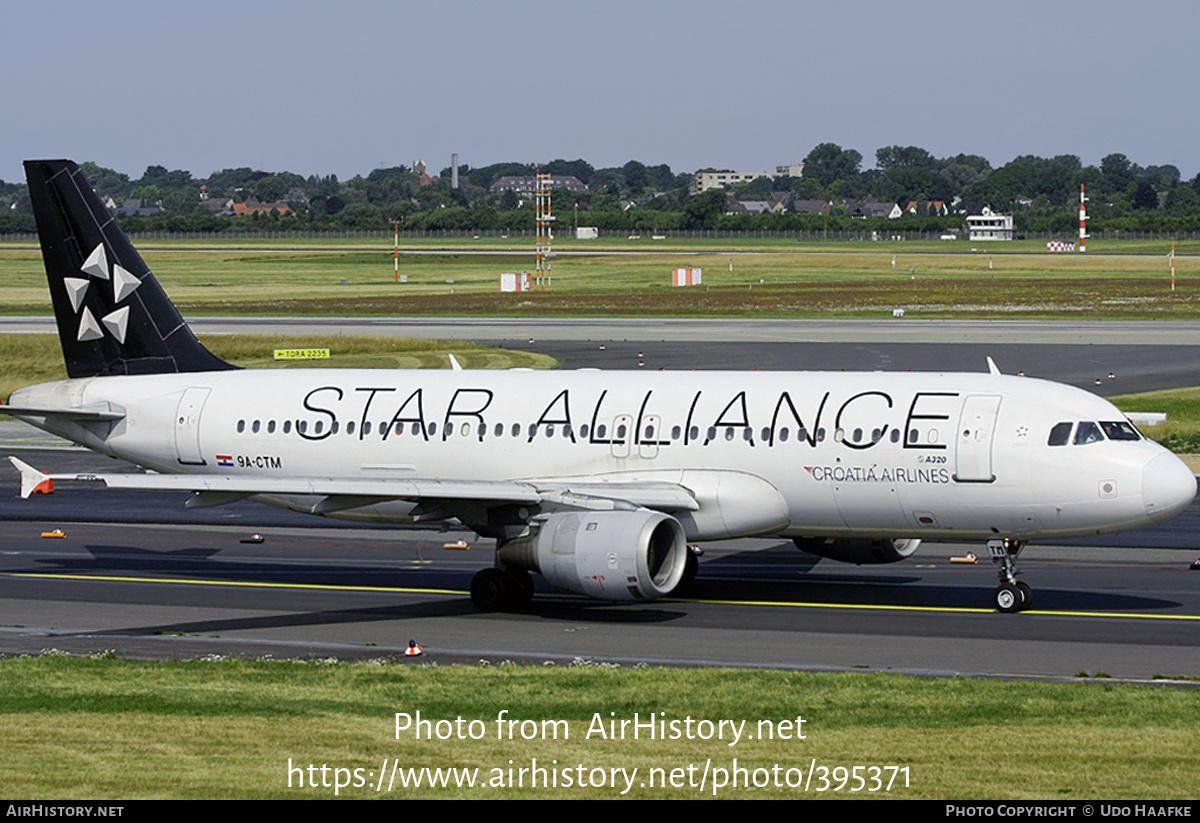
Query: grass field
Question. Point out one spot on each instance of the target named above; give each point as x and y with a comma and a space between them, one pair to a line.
110, 728
772, 278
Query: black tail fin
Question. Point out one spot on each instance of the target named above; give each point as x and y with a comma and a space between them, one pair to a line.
113, 317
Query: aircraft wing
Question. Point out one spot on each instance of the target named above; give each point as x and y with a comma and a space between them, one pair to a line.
438, 496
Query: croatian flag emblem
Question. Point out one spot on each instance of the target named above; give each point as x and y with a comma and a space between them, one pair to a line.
225, 460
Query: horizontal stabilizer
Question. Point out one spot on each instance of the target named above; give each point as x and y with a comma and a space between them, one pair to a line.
62, 413
32, 480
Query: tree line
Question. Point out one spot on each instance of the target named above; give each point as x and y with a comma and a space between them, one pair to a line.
1042, 193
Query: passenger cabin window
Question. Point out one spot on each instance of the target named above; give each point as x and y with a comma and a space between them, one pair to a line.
1088, 432
1120, 430
1060, 435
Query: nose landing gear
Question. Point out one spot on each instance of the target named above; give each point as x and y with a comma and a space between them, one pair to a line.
1011, 595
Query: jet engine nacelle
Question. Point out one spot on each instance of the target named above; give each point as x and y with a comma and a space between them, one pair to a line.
616, 555
858, 550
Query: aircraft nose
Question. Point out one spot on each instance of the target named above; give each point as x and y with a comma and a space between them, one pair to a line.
1168, 487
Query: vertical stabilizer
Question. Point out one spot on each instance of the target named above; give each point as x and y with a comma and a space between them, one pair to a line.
113, 317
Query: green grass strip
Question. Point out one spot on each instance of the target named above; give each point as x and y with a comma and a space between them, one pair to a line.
111, 728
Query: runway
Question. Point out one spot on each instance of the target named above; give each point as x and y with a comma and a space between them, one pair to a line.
1125, 606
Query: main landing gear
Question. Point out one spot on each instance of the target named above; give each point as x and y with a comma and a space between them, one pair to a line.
501, 590
1011, 595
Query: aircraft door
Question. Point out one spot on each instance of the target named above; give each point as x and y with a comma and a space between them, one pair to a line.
973, 444
187, 425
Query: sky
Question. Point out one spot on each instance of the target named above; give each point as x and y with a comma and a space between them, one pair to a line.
344, 88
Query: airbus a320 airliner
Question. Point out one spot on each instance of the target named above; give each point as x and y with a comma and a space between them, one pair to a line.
596, 480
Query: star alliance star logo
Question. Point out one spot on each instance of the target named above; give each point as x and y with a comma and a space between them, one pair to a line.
123, 284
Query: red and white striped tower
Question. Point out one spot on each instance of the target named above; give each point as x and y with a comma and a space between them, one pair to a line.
1082, 219
1172, 265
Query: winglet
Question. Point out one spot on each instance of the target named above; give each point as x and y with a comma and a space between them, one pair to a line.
454, 364
32, 480
992, 367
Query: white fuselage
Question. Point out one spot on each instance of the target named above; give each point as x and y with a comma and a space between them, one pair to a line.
793, 453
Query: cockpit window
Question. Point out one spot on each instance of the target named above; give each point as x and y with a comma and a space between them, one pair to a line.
1120, 430
1060, 435
1088, 432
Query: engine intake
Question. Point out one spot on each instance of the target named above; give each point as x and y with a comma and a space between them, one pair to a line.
621, 555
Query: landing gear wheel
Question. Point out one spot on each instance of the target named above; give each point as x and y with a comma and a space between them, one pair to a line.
490, 590
520, 588
1026, 595
1008, 598
691, 565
